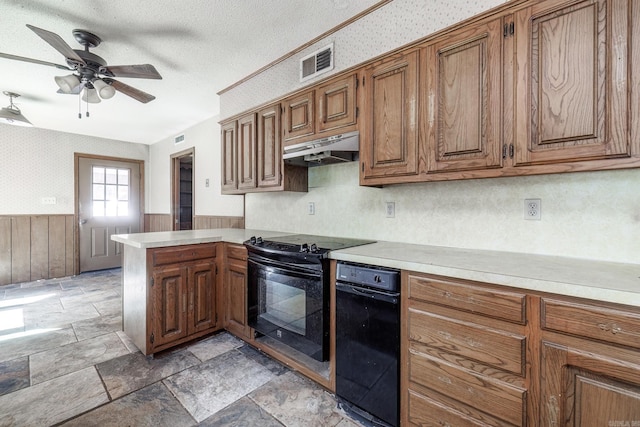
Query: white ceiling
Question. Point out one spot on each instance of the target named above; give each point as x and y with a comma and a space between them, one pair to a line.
198, 46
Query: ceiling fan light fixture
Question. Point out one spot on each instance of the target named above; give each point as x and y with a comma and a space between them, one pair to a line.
67, 83
90, 95
11, 114
105, 90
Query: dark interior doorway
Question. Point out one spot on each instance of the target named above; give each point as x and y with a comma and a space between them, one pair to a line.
182, 189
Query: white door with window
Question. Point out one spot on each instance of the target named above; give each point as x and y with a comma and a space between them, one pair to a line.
108, 203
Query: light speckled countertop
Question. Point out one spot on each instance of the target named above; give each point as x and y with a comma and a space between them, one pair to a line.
188, 237
601, 281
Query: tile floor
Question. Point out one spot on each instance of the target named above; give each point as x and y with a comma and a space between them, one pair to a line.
65, 361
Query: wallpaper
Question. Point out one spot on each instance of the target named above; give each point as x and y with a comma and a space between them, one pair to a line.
396, 24
38, 164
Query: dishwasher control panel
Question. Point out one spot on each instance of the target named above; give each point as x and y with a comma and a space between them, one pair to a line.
382, 278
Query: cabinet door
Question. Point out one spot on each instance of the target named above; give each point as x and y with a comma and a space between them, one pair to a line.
389, 143
236, 291
247, 152
572, 82
269, 147
202, 296
463, 98
169, 310
229, 163
337, 103
583, 388
299, 117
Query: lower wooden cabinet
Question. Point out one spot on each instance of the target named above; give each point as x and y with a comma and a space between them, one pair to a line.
477, 354
235, 291
590, 364
464, 354
178, 301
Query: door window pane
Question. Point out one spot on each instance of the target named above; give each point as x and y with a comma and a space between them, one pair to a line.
111, 199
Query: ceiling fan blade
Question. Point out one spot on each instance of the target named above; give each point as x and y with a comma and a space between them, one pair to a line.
35, 61
142, 71
57, 43
136, 94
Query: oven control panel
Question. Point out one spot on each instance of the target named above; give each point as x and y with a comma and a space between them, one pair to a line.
374, 277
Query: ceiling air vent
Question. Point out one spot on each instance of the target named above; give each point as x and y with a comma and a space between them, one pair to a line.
317, 63
178, 139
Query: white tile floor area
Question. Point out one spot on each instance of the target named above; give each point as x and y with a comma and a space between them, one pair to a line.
65, 361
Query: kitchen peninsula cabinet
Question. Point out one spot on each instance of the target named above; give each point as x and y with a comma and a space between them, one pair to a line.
176, 300
235, 291
321, 111
389, 126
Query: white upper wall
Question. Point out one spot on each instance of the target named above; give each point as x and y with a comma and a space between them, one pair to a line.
396, 24
205, 139
38, 163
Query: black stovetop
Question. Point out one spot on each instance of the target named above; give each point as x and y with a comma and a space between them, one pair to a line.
302, 243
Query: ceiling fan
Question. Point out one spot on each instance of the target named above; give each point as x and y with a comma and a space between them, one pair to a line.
90, 72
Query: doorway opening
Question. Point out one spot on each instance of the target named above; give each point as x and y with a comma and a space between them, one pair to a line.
182, 189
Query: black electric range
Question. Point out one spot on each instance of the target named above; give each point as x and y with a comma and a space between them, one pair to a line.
303, 245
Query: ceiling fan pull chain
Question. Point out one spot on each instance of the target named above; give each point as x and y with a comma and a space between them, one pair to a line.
79, 106
87, 104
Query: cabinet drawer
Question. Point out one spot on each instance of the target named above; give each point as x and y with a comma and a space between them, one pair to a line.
606, 324
502, 350
237, 252
424, 411
178, 254
476, 299
487, 395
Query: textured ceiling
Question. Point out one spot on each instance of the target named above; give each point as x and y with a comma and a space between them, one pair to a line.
198, 46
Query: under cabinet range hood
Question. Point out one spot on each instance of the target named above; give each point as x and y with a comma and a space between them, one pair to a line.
333, 149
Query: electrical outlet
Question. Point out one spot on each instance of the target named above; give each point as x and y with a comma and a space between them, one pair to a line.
48, 200
532, 209
390, 210
206, 182
311, 208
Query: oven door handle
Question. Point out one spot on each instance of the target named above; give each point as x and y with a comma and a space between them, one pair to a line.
276, 267
390, 297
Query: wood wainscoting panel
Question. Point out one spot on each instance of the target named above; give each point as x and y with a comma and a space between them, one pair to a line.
157, 222
162, 222
204, 222
36, 247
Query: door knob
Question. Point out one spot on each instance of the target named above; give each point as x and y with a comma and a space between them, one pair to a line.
83, 221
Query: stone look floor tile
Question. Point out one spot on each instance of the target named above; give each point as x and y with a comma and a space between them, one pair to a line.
207, 388
151, 406
53, 401
127, 342
19, 345
241, 413
55, 315
109, 307
214, 346
73, 357
134, 371
91, 297
14, 375
296, 401
91, 328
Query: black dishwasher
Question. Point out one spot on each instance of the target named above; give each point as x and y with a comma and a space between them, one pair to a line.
368, 341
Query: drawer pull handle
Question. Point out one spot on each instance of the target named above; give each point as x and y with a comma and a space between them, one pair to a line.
615, 329
445, 335
473, 343
445, 380
447, 294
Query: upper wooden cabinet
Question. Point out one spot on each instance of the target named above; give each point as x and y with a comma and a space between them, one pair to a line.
269, 147
246, 149
252, 155
229, 155
389, 124
462, 98
327, 107
572, 82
